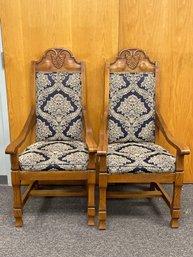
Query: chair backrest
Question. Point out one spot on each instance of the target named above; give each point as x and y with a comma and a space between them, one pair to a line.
59, 91
130, 97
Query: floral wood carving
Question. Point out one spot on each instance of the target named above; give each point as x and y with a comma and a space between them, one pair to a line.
132, 60
132, 56
58, 57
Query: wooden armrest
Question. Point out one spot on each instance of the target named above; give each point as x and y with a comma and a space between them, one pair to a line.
181, 148
13, 146
103, 137
92, 146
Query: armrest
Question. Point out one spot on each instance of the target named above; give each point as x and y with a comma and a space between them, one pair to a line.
92, 146
181, 148
103, 136
13, 146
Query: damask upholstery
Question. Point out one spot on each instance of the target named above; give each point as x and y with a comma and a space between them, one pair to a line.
55, 155
143, 157
58, 106
132, 107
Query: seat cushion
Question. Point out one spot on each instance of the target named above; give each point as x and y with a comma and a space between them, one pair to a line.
56, 155
139, 158
132, 107
58, 106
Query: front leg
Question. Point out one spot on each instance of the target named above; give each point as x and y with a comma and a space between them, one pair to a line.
91, 197
176, 202
17, 206
102, 216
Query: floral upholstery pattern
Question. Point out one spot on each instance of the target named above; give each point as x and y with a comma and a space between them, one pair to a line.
143, 157
55, 155
132, 107
58, 106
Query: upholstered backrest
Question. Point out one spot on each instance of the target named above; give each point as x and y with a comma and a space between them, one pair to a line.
132, 98
58, 97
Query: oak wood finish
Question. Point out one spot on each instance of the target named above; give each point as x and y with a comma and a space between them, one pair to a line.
165, 30
39, 25
135, 60
54, 59
58, 192
167, 35
165, 195
13, 147
181, 148
28, 192
18, 207
146, 194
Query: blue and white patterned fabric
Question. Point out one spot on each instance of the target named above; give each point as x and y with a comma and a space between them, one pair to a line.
58, 106
55, 155
132, 107
144, 157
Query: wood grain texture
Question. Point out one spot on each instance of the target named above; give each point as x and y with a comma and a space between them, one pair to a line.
88, 28
164, 29
95, 39
93, 31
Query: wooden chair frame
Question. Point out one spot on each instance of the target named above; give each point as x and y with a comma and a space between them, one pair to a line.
135, 60
54, 59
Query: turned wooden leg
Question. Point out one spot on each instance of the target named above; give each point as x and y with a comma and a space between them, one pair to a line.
17, 206
102, 200
175, 207
91, 198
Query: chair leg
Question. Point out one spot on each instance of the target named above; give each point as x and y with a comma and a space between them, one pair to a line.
91, 198
175, 207
17, 206
102, 200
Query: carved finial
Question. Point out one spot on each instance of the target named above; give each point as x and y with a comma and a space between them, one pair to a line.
58, 57
55, 59
132, 56
132, 60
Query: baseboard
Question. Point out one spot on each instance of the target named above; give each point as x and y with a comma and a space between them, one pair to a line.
3, 179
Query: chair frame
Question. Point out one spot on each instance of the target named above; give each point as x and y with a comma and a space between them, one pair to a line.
53, 60
135, 60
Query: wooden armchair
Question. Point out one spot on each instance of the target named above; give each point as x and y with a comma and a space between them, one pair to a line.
127, 152
64, 148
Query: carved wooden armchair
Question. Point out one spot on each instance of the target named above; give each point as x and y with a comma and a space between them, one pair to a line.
64, 148
127, 152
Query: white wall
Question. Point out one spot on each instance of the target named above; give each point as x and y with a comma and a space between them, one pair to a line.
4, 123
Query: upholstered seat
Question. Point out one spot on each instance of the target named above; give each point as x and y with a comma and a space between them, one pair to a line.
55, 155
141, 157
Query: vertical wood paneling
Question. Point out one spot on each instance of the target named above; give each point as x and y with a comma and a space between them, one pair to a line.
164, 29
88, 28
95, 39
93, 31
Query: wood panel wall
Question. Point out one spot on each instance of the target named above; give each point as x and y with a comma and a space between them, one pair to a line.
94, 31
165, 30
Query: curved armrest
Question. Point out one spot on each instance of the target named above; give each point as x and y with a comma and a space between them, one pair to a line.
13, 146
103, 139
181, 148
92, 146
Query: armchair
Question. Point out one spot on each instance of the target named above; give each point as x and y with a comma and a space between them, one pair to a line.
127, 152
64, 148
